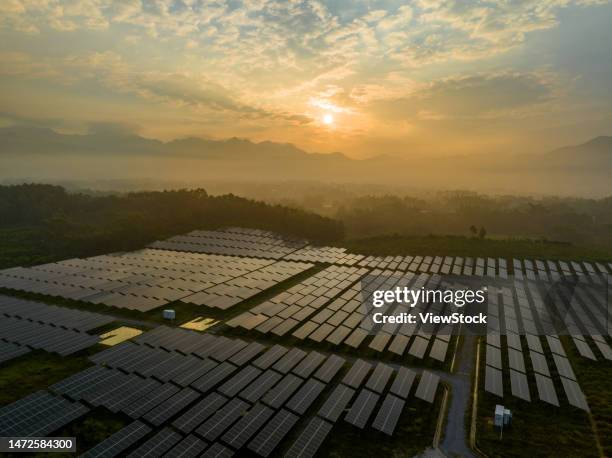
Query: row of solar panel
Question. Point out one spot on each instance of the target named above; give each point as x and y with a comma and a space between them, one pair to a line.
38, 415
241, 243
340, 313
52, 315
537, 355
148, 279
44, 336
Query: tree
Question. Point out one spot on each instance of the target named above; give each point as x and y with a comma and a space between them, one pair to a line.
482, 233
473, 230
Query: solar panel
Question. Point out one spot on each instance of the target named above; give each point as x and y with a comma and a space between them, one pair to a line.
212, 428
191, 446
403, 382
214, 377
247, 426
158, 444
270, 357
362, 408
191, 369
546, 390
493, 381
538, 361
519, 385
563, 367
583, 348
217, 450
379, 378
305, 396
310, 440
120, 441
418, 347
171, 407
308, 365
321, 332
514, 341
142, 405
338, 335
575, 396
275, 430
247, 353
354, 377
428, 385
388, 415
277, 396
379, 342
330, 368
494, 357
534, 343
336, 403
289, 360
188, 421
304, 331
516, 360
260, 386
356, 338
438, 350
235, 384
398, 344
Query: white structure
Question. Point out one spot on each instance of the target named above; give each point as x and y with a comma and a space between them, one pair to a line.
169, 314
503, 416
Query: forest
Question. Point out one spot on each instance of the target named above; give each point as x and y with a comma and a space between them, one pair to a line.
42, 223
39, 222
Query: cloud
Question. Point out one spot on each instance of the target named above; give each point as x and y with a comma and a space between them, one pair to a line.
479, 96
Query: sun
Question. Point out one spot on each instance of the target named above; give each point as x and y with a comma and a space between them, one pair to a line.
328, 119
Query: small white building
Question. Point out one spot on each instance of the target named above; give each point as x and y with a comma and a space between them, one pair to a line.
169, 314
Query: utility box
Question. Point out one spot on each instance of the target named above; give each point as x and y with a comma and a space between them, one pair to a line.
498, 419
169, 314
507, 417
503, 416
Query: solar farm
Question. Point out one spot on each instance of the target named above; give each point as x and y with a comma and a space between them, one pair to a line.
292, 364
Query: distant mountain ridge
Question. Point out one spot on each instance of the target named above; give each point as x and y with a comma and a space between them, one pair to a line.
37, 152
35, 140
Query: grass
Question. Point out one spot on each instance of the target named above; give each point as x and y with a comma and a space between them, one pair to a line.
595, 379
435, 245
539, 428
36, 371
414, 433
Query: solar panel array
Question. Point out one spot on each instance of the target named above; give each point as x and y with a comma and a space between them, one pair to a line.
38, 415
149, 278
46, 337
333, 307
520, 311
263, 244
190, 393
233, 241
50, 314
27, 325
9, 351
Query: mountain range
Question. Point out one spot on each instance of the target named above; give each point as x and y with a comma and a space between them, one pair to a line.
34, 152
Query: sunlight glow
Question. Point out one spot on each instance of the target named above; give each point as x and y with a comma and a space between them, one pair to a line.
328, 119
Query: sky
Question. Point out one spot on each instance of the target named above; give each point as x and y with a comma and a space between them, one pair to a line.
360, 77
